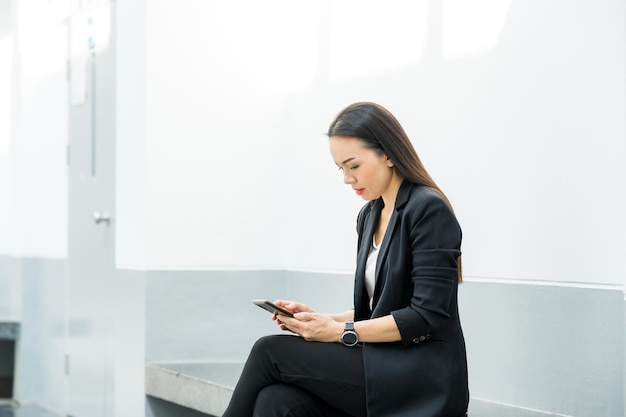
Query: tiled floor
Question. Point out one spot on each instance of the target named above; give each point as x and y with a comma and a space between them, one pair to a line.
8, 409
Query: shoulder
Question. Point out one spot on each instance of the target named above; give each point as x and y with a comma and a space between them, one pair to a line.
420, 198
425, 210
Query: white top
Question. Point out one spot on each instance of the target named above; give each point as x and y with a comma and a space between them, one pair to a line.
370, 269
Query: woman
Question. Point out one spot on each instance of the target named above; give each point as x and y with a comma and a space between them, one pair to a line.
400, 352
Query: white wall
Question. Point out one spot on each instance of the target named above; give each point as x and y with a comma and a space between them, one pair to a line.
515, 107
33, 188
543, 136
218, 163
130, 146
6, 57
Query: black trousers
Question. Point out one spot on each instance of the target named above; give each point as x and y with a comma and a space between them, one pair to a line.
286, 376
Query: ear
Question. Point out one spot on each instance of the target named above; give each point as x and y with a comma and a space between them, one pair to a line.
389, 163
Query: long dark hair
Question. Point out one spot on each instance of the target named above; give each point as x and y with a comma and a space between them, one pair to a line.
380, 131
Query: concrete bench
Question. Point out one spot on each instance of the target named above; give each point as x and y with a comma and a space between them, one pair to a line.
206, 387
202, 386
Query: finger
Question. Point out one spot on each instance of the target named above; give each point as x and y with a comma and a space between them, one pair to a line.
283, 327
304, 316
282, 303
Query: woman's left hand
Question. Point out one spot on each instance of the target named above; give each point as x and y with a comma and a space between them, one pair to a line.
313, 327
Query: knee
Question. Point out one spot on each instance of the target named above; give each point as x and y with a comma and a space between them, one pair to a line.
284, 400
271, 402
264, 343
267, 345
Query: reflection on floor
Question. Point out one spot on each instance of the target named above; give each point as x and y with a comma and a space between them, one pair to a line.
9, 409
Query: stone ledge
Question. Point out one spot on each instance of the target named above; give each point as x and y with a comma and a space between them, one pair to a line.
202, 386
208, 386
9, 330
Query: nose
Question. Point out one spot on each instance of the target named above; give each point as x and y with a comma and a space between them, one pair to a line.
347, 177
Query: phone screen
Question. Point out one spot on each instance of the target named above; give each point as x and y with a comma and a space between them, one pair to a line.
271, 307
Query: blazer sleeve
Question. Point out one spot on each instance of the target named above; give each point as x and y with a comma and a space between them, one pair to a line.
435, 242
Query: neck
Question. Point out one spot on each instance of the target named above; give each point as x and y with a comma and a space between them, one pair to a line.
389, 196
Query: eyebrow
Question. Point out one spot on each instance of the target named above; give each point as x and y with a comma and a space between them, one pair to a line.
345, 162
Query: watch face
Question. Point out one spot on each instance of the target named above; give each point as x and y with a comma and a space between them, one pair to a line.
349, 338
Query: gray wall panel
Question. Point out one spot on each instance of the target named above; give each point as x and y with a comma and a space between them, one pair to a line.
200, 315
552, 348
10, 285
40, 368
129, 343
326, 293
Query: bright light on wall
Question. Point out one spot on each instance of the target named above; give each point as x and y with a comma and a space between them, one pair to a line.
472, 27
42, 53
6, 57
40, 26
279, 40
371, 37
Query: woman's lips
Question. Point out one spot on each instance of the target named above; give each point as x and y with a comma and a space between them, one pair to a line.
359, 191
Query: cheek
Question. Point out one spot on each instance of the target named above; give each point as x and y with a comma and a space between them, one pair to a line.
378, 178
368, 176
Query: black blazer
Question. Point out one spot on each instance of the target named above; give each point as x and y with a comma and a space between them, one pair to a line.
424, 375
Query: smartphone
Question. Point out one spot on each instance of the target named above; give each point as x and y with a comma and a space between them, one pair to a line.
271, 307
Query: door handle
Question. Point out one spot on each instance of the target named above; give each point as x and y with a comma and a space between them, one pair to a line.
101, 217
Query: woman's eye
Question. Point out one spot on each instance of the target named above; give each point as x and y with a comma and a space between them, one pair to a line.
354, 167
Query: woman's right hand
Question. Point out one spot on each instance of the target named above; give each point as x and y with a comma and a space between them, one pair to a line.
294, 306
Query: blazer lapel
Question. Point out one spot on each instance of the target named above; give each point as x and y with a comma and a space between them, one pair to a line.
361, 299
401, 199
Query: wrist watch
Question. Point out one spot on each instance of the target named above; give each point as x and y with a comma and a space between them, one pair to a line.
349, 337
